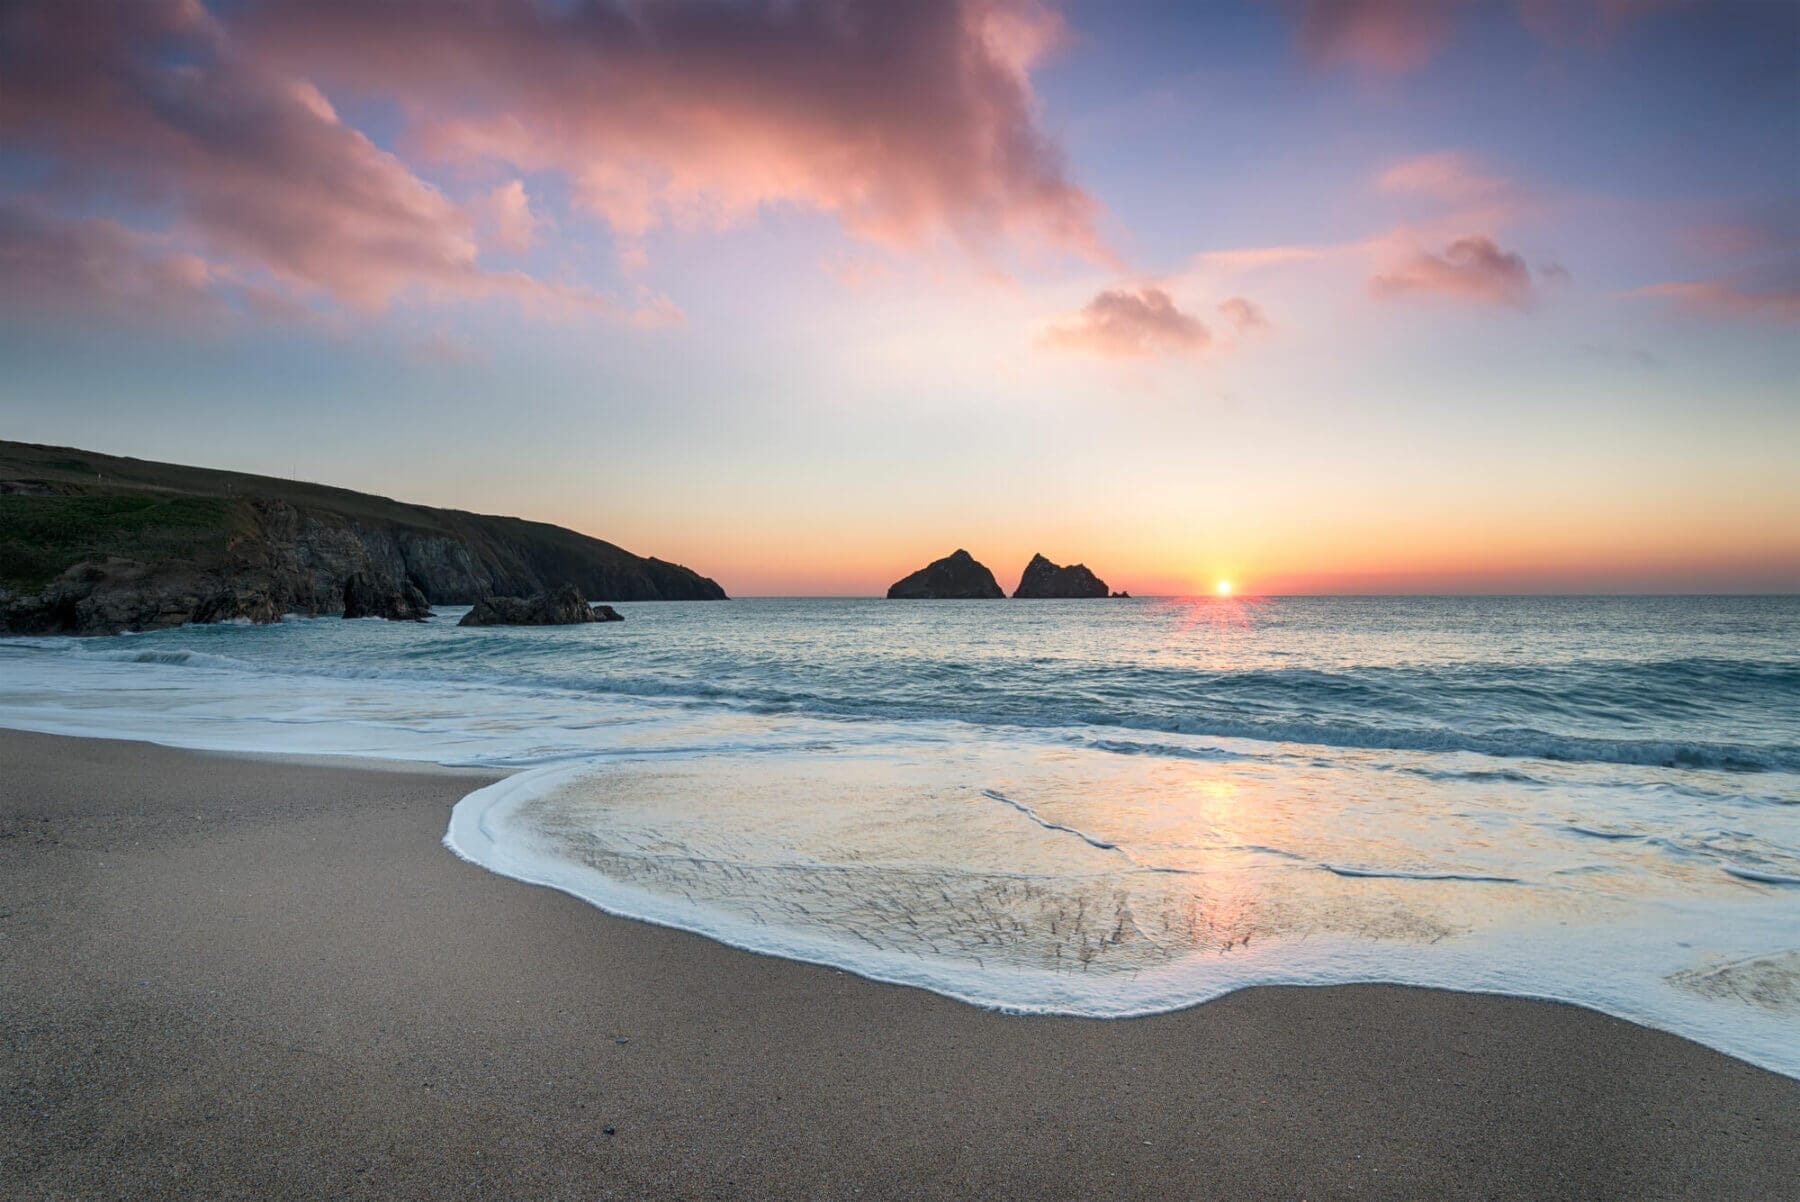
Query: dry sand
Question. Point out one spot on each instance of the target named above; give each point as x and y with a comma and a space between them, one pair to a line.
225, 976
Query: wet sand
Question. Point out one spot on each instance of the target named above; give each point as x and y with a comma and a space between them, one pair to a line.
232, 976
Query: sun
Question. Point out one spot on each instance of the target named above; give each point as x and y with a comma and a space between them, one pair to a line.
1223, 588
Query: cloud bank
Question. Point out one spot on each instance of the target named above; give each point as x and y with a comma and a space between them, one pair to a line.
907, 122
207, 140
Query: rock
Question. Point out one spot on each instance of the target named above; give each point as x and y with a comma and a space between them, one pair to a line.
1122, 593
956, 577
375, 595
563, 606
1045, 579
108, 595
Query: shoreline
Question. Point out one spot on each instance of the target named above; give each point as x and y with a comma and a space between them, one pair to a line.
238, 972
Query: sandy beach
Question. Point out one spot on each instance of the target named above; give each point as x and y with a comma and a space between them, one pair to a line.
227, 976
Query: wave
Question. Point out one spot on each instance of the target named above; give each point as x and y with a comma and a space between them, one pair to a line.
1761, 876
1520, 742
1091, 841
1402, 875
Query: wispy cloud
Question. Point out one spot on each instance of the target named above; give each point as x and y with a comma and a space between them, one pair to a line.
52, 266
1243, 315
507, 210
1381, 35
1396, 36
1723, 298
1448, 176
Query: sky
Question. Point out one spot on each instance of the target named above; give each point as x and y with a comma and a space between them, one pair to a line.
1355, 296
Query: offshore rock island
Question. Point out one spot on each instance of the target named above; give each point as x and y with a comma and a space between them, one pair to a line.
1045, 579
956, 577
561, 607
959, 576
98, 544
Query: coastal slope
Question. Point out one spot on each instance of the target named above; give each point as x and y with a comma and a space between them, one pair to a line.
95, 544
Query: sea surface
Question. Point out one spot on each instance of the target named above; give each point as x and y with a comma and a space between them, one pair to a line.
1103, 808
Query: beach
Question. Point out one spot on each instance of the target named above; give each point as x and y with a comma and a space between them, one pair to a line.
257, 976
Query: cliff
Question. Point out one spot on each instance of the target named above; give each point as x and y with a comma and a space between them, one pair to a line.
93, 544
956, 577
1045, 579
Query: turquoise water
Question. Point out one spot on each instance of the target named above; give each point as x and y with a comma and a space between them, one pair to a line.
1092, 807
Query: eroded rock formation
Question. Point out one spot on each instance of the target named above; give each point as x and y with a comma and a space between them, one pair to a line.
956, 577
563, 606
1045, 579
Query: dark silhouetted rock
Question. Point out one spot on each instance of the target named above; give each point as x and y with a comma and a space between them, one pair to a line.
1045, 579
105, 596
1123, 593
97, 544
371, 595
564, 606
956, 577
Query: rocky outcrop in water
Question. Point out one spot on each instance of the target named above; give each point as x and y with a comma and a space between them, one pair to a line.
956, 577
370, 595
564, 606
1045, 579
97, 544
109, 595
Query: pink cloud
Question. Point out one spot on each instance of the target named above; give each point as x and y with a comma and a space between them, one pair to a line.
1251, 258
907, 122
508, 211
153, 103
1396, 36
1446, 176
155, 110
1381, 35
1471, 268
445, 349
49, 262
1587, 22
1243, 315
1127, 323
56, 266
1720, 298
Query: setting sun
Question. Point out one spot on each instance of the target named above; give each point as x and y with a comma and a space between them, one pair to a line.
1223, 588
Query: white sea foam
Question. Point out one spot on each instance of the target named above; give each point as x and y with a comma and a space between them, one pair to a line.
803, 857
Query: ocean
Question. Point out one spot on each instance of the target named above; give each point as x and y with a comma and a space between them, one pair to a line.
1101, 808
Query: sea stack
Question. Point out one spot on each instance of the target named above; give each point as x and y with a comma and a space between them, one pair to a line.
376, 595
956, 577
564, 606
1045, 579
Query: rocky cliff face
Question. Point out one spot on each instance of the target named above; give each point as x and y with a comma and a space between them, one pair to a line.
94, 544
1045, 579
956, 577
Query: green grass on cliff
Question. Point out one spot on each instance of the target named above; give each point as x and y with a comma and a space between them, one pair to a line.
41, 537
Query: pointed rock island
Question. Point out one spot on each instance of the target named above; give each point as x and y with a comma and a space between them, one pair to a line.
956, 577
1045, 579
